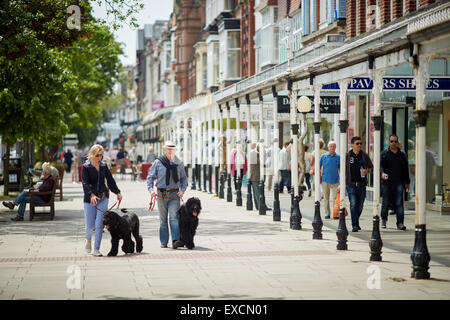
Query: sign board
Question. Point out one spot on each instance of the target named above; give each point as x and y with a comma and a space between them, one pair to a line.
392, 84
328, 104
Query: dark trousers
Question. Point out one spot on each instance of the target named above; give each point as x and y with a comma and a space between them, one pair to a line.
285, 180
393, 193
308, 180
356, 195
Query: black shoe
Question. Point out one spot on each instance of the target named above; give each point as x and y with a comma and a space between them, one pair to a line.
401, 226
383, 224
268, 209
17, 218
355, 229
177, 244
8, 204
359, 228
327, 217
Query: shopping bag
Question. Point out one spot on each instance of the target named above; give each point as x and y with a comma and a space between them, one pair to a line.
336, 206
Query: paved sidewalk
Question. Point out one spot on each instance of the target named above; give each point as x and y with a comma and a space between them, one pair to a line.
239, 255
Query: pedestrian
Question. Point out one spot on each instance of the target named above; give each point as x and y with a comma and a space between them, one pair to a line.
358, 164
24, 197
255, 176
238, 157
284, 160
133, 155
395, 180
329, 165
308, 169
171, 183
270, 165
94, 172
151, 155
68, 159
76, 165
121, 161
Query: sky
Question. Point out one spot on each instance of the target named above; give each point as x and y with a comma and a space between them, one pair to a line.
153, 10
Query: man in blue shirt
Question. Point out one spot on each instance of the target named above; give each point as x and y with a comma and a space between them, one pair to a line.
329, 165
171, 183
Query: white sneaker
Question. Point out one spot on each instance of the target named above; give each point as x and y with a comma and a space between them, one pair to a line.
88, 246
97, 253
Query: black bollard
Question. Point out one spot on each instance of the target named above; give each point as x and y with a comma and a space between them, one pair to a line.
317, 222
216, 174
276, 203
375, 242
420, 256
199, 177
205, 177
238, 190
210, 178
342, 232
262, 198
249, 196
223, 178
229, 192
295, 221
193, 187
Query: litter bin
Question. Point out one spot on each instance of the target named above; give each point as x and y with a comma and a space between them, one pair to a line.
144, 170
15, 167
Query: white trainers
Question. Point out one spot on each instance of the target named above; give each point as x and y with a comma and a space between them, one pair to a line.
97, 253
88, 246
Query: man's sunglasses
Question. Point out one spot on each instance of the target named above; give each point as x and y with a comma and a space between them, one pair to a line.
394, 141
358, 143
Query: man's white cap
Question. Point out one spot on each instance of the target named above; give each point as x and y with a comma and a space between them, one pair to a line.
169, 144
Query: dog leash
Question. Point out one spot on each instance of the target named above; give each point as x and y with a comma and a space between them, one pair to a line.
153, 200
118, 205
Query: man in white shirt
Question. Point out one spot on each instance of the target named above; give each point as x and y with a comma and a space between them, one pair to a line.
285, 167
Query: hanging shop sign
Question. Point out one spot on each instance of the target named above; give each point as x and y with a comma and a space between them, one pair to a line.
392, 84
328, 104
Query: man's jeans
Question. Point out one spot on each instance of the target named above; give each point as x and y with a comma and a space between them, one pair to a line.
168, 207
285, 180
392, 193
22, 201
356, 195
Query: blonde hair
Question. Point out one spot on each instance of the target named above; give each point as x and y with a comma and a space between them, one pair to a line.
94, 150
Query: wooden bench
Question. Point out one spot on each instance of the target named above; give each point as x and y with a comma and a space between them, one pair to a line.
50, 203
59, 183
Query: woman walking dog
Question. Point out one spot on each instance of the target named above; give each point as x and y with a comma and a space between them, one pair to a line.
96, 195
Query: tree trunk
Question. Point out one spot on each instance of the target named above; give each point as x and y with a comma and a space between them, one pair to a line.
6, 169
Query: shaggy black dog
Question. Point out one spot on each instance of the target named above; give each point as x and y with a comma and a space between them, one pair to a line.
121, 227
188, 222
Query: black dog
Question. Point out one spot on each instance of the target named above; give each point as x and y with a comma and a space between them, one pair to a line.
188, 222
122, 228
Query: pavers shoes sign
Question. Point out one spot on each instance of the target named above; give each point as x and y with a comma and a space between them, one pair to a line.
328, 104
393, 84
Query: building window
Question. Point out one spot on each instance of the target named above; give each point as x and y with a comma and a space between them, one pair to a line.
230, 54
180, 50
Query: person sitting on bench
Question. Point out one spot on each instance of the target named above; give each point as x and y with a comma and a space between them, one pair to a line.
24, 198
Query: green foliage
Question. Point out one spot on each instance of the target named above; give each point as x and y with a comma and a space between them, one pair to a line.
55, 80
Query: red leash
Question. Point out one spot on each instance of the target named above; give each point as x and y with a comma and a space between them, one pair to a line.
153, 200
118, 201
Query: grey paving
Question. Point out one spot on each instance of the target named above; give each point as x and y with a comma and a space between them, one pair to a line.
239, 255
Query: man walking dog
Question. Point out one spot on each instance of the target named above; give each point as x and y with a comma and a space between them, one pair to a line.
171, 183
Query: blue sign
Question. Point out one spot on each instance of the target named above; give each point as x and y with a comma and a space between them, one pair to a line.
393, 84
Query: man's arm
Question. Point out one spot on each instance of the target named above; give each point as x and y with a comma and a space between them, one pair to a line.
151, 176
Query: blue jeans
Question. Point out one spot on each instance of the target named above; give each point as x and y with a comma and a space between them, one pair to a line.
392, 193
308, 180
94, 219
22, 201
168, 208
356, 195
285, 180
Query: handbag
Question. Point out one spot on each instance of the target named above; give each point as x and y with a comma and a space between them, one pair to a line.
336, 206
